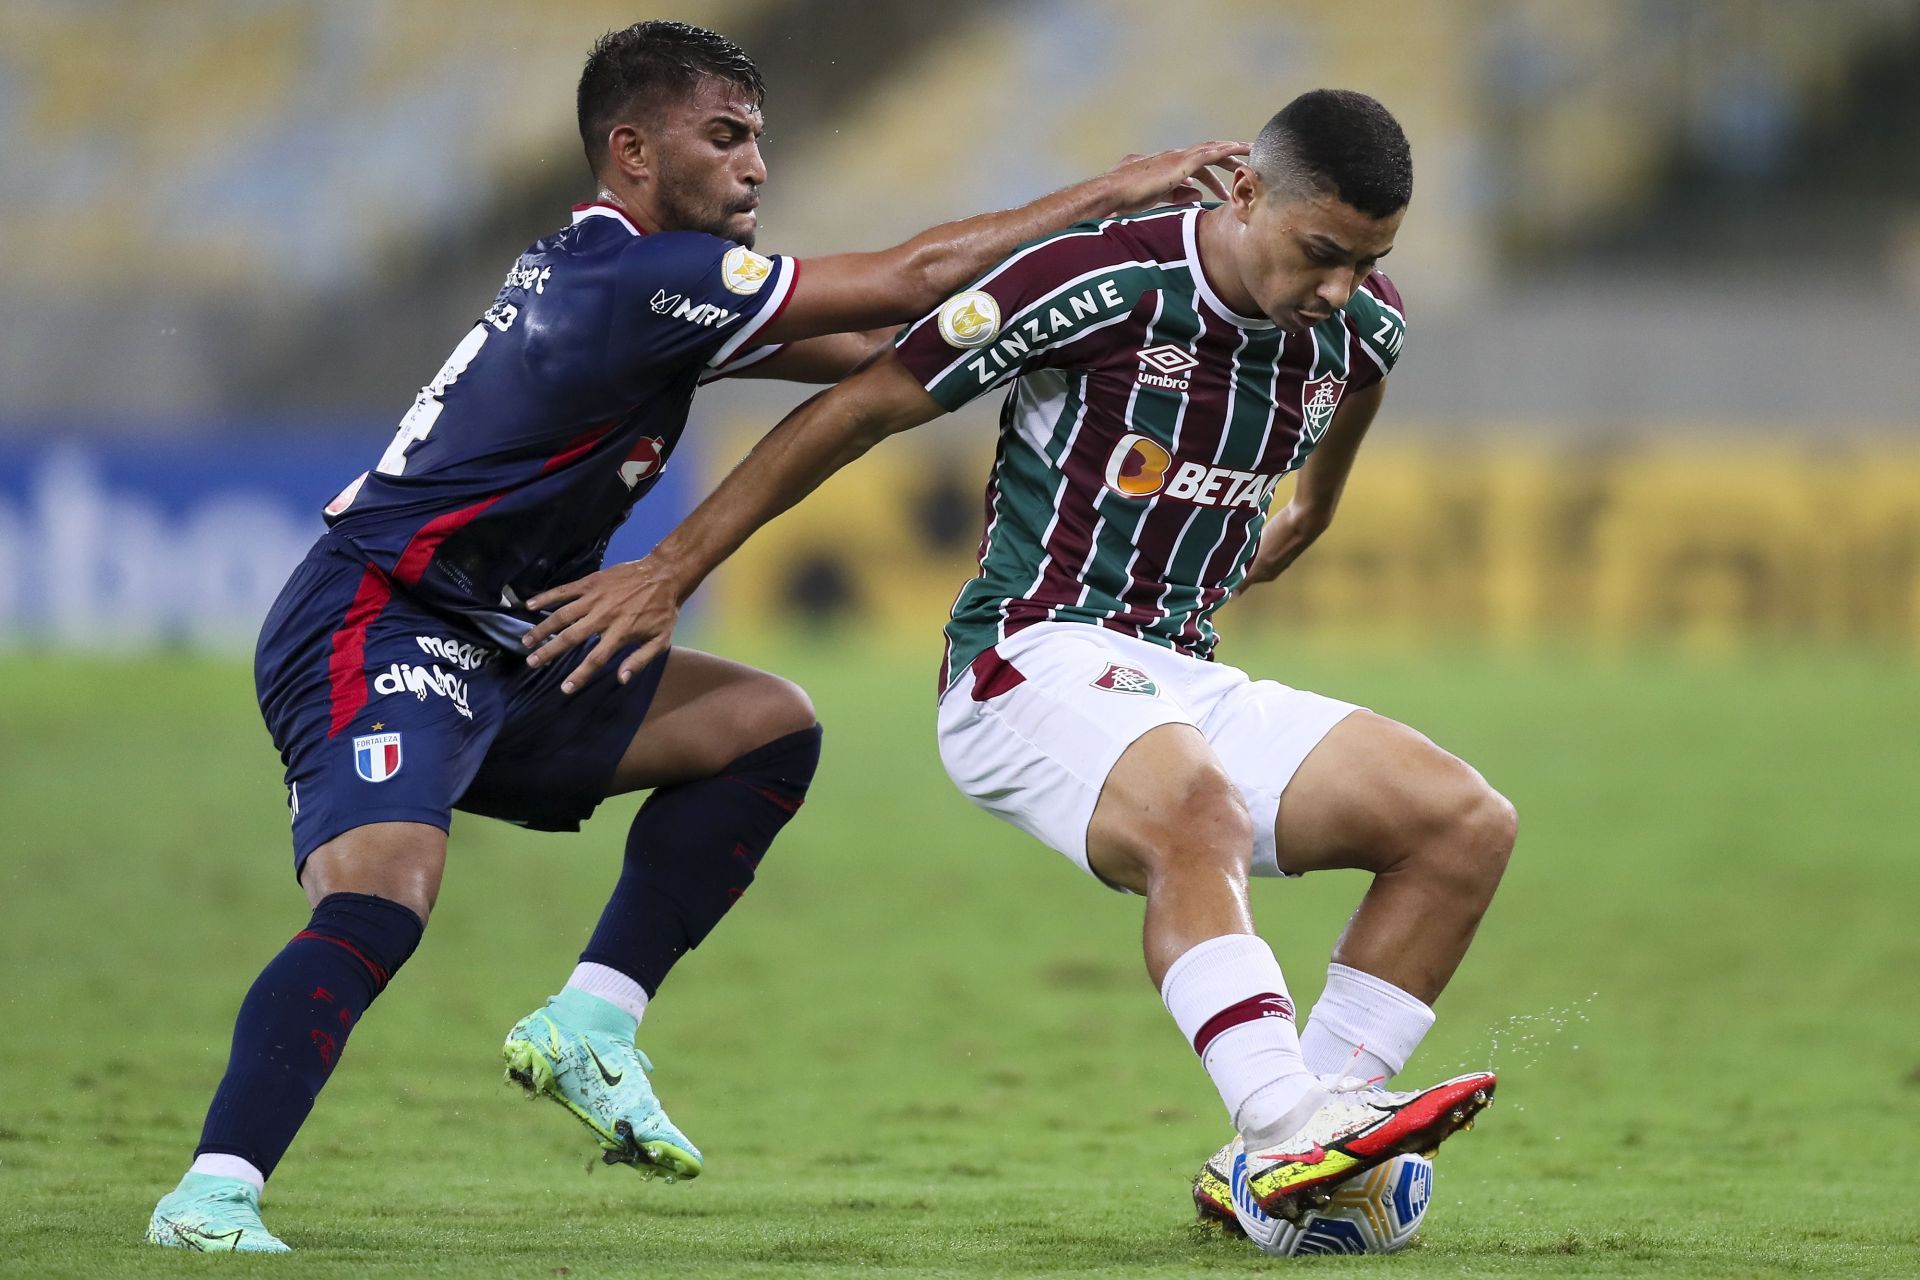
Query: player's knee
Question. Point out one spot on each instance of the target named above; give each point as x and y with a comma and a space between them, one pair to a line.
1200, 824
1475, 837
401, 862
776, 711
781, 709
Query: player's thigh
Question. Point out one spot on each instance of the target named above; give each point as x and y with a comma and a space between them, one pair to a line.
687, 715
707, 712
379, 719
1373, 793
1167, 806
1263, 732
1030, 733
400, 861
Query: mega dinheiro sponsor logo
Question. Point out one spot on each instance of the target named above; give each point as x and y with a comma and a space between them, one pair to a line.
404, 677
466, 656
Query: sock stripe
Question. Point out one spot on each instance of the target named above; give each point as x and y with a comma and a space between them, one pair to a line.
1268, 1004
380, 976
790, 804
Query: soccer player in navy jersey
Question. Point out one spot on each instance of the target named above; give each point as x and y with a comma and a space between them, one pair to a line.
1167, 369
390, 670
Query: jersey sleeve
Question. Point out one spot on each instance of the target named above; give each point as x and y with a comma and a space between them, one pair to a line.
743, 358
1377, 319
1028, 312
690, 298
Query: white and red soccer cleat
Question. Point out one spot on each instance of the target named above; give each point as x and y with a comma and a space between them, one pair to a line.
1355, 1128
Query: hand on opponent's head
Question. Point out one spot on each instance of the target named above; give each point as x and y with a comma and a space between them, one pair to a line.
1181, 176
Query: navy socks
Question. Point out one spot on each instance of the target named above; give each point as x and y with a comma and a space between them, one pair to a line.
294, 1023
692, 852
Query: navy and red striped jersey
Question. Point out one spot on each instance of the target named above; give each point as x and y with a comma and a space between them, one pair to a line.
555, 414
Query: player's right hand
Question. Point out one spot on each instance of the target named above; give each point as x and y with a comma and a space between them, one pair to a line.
623, 604
1180, 176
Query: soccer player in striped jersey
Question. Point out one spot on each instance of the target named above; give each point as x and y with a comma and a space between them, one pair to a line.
389, 672
1166, 370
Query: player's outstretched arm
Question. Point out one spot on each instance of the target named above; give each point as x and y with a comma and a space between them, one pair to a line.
899, 285
822, 360
638, 603
1317, 493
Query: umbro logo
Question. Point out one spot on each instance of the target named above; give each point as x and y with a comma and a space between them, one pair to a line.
1162, 366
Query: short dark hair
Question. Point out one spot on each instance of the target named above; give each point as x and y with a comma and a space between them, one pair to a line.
1339, 141
634, 72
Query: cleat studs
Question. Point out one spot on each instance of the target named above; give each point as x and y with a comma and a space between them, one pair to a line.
1480, 1097
1458, 1115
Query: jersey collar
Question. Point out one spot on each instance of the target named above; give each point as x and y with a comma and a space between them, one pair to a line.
1189, 235
601, 209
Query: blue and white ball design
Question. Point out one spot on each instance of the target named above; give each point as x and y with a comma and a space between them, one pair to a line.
1377, 1212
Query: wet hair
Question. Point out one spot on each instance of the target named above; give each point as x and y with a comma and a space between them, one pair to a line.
1338, 141
637, 72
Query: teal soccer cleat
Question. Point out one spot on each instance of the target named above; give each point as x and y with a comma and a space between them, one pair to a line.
579, 1051
209, 1214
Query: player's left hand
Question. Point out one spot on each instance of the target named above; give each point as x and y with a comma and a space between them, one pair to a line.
1171, 177
623, 604
1204, 185
1287, 534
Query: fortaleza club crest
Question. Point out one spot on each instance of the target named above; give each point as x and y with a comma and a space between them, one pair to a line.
376, 756
1127, 680
1318, 400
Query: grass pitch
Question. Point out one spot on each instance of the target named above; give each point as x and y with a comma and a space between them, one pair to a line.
923, 1045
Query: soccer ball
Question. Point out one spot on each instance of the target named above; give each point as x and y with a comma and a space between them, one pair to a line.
1377, 1212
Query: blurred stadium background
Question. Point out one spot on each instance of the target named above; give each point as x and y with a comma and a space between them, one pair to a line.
1663, 271
1638, 533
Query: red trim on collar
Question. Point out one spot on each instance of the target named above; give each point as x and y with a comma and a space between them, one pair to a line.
615, 210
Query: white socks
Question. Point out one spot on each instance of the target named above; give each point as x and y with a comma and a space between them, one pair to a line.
611, 985
1362, 1026
229, 1167
1231, 1003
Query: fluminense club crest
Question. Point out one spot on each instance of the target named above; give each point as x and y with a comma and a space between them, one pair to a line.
1127, 680
1318, 400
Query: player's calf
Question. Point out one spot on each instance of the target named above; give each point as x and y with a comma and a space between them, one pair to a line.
289, 1035
1170, 823
692, 852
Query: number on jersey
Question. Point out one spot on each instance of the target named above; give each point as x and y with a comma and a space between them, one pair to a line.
419, 420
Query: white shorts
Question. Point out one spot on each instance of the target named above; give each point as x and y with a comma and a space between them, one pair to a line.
1031, 731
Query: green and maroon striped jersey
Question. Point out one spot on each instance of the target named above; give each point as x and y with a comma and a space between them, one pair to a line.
1146, 429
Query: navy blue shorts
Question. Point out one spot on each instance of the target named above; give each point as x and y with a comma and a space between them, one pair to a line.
386, 712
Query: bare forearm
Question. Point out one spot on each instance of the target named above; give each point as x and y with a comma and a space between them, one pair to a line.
941, 259
795, 458
901, 284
